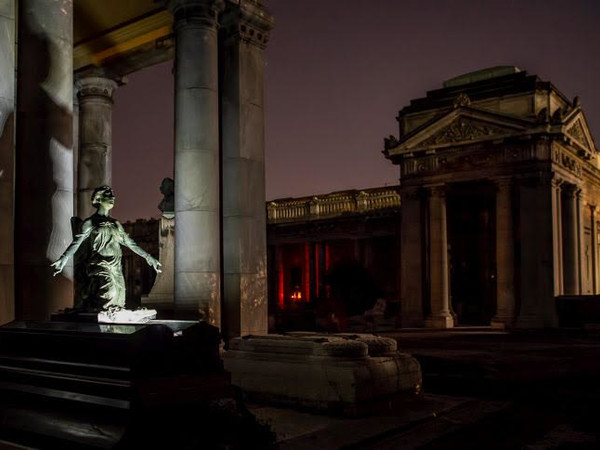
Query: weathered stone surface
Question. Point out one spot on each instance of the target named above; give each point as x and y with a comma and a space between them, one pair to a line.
163, 290
337, 373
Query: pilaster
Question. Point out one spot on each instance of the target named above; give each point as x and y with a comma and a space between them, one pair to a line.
412, 245
7, 155
244, 32
537, 306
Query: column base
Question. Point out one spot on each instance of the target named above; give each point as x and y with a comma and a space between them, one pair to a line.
503, 322
530, 321
439, 321
411, 320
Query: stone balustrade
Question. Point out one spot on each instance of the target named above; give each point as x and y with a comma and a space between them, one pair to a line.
332, 205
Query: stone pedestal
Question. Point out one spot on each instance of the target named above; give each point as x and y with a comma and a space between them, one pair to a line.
162, 293
95, 95
197, 249
44, 157
7, 149
346, 374
244, 33
440, 316
505, 256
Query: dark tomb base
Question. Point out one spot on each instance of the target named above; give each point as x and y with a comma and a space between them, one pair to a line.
87, 385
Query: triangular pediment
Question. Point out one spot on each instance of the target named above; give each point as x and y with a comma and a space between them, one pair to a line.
576, 127
461, 126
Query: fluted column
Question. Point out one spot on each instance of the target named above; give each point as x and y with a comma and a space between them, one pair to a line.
197, 221
440, 316
44, 156
505, 255
412, 236
570, 210
7, 150
95, 95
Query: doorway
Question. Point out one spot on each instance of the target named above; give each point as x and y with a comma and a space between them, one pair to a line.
471, 216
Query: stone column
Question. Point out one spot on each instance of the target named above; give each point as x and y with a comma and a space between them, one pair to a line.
570, 240
95, 95
7, 150
197, 221
244, 33
440, 316
505, 255
536, 214
44, 156
412, 236
557, 235
594, 231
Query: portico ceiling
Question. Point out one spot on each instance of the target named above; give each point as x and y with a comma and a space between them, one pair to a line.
108, 32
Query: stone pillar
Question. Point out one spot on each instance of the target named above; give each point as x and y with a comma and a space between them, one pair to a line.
594, 233
557, 235
95, 95
44, 156
537, 253
197, 224
571, 252
7, 150
505, 255
440, 316
412, 236
244, 33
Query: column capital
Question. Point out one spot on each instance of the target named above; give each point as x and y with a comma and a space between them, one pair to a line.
95, 86
503, 182
195, 12
437, 190
572, 190
248, 22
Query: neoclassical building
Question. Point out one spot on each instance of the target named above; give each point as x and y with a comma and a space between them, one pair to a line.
499, 183
499, 179
61, 65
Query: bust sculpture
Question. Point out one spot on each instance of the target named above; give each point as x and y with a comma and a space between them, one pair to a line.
167, 204
103, 285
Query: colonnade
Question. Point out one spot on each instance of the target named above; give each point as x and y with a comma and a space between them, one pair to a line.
547, 213
219, 157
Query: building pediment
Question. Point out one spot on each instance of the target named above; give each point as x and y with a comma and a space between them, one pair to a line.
461, 126
575, 126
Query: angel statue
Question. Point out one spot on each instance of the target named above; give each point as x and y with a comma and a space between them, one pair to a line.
101, 284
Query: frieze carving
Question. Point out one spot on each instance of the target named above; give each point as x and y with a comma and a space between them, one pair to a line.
567, 161
462, 130
576, 131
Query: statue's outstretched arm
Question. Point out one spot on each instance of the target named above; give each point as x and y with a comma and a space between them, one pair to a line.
130, 243
60, 263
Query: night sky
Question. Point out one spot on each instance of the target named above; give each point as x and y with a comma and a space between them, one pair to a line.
337, 73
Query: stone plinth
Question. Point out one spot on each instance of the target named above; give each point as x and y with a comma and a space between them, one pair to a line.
162, 293
342, 373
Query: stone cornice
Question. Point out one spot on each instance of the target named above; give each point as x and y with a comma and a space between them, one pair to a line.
247, 22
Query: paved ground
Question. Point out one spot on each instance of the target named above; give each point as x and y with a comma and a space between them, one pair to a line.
485, 390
